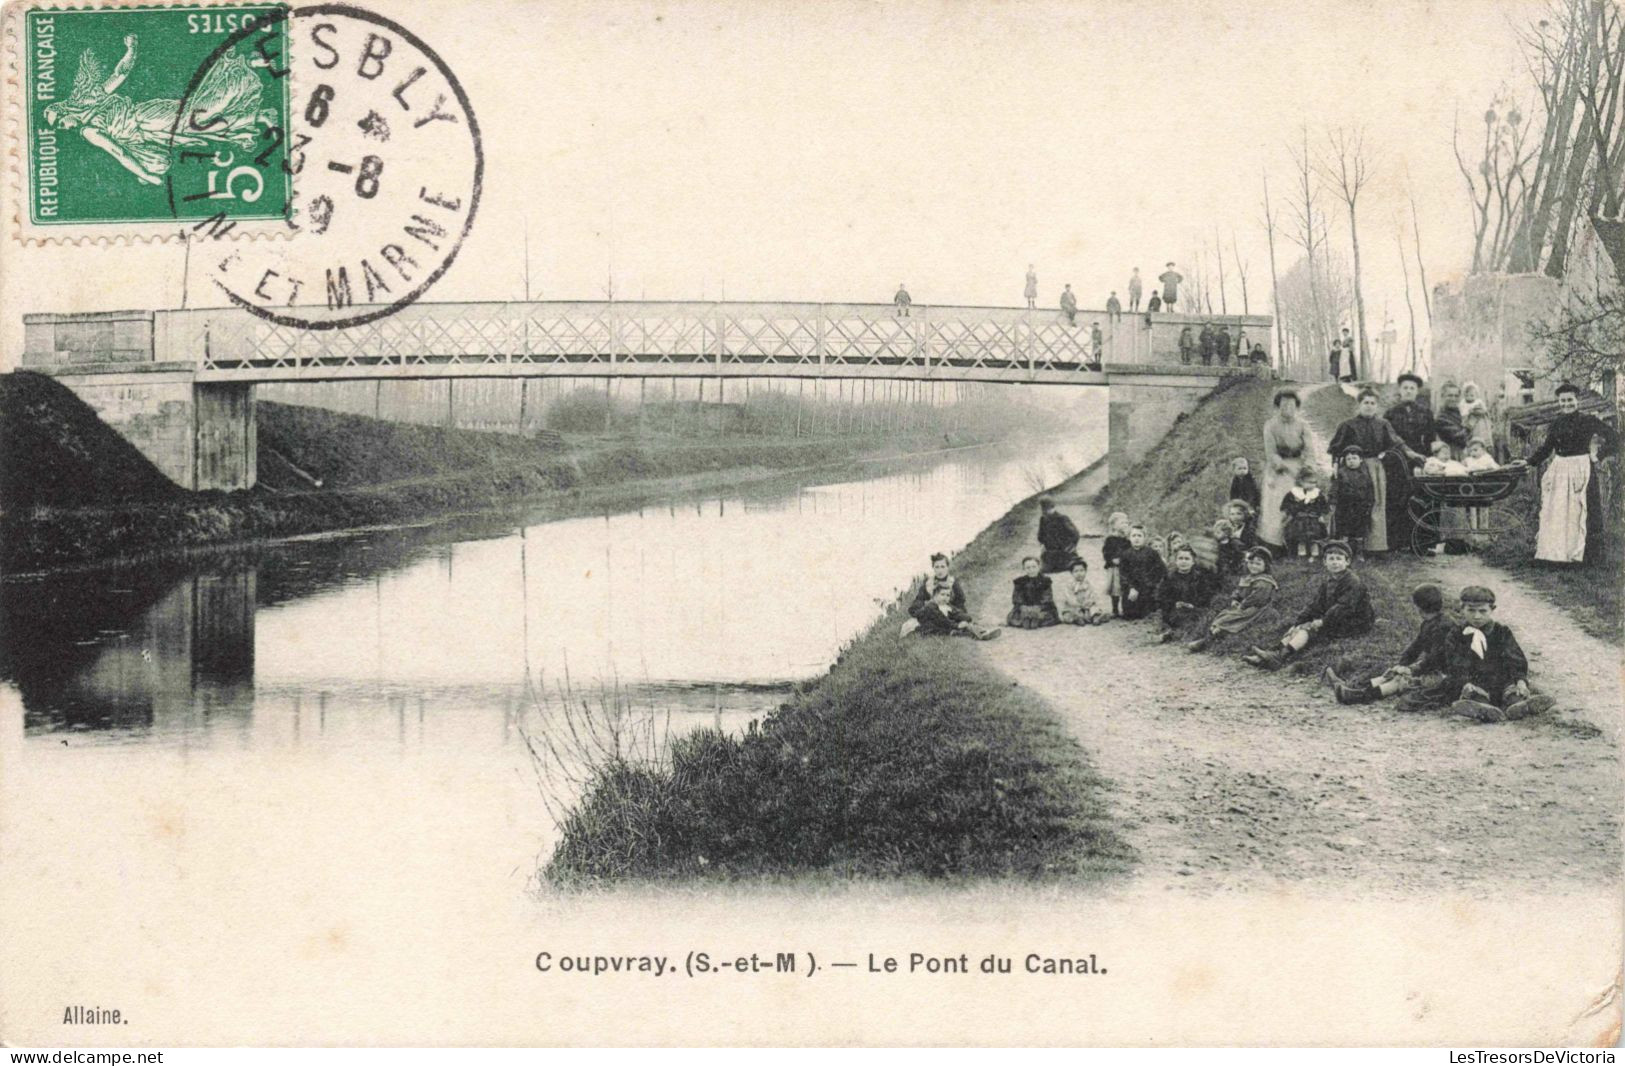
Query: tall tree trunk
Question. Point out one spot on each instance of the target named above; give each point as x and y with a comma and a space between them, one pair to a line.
1275, 283
1363, 358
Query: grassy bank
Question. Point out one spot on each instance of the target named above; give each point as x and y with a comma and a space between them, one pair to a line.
73, 491
910, 758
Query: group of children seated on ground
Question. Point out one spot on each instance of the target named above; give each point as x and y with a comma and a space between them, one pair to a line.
1473, 667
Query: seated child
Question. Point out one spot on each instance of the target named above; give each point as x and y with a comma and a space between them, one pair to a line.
1231, 555
940, 578
1142, 572
1353, 497
940, 618
1242, 485
1404, 674
1243, 518
1111, 549
1185, 593
1341, 608
1304, 506
1439, 464
1075, 598
1483, 673
1477, 459
1058, 536
1032, 600
1254, 592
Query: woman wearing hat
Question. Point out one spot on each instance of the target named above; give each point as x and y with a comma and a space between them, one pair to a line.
1286, 444
1375, 438
1572, 526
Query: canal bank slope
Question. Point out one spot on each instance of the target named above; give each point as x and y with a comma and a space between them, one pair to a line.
72, 491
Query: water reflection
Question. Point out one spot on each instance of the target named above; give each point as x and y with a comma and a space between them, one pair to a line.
441, 637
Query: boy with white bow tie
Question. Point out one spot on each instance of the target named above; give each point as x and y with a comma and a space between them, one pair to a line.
1485, 672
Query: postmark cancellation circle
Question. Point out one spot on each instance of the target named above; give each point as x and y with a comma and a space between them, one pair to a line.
385, 159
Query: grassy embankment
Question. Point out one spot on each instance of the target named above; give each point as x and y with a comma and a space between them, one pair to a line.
910, 758
72, 490
1182, 486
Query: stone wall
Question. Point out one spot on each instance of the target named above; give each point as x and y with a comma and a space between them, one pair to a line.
1481, 331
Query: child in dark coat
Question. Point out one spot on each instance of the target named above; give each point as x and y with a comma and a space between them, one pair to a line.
1407, 673
1111, 550
940, 618
1059, 537
1483, 672
1341, 608
1353, 496
1032, 598
1142, 573
1229, 553
1185, 593
1242, 485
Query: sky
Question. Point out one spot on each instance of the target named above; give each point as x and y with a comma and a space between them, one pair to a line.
828, 151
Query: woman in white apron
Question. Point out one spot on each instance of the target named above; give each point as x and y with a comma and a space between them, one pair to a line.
1571, 520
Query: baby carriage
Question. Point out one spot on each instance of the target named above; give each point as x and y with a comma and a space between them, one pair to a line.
1463, 508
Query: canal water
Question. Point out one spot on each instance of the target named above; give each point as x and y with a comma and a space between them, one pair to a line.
422, 695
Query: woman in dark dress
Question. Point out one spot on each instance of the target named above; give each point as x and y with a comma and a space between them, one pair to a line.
1375, 438
1572, 525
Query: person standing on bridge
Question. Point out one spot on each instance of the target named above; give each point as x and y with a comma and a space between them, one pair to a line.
1069, 306
902, 300
1031, 290
1153, 306
1221, 345
1134, 290
1114, 307
1187, 342
1097, 344
1170, 287
1206, 343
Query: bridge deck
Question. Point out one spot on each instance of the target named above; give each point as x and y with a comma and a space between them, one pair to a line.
639, 339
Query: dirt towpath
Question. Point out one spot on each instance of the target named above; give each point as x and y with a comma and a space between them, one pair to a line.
1224, 776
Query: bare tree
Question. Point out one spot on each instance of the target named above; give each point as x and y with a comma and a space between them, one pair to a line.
1421, 270
1346, 165
1241, 271
1308, 232
1275, 283
1410, 307
1218, 255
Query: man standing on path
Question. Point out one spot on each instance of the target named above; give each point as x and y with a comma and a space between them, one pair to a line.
1031, 291
1134, 291
1170, 287
1069, 306
902, 300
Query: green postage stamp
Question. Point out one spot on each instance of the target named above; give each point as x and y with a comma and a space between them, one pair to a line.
148, 120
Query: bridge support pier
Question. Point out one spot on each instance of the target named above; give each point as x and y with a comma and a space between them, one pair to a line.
198, 434
1143, 408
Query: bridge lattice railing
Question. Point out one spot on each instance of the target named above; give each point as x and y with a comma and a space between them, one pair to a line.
583, 334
